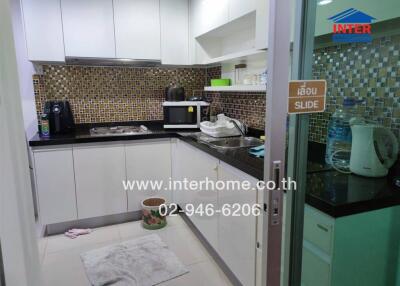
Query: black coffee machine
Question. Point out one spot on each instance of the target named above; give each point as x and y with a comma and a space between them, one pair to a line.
60, 117
174, 92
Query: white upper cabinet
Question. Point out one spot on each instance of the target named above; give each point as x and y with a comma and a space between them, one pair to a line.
196, 25
174, 15
137, 29
262, 24
223, 30
88, 28
208, 15
238, 8
43, 30
216, 13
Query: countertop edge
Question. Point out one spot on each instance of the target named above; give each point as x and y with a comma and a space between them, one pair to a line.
333, 211
349, 209
99, 139
246, 168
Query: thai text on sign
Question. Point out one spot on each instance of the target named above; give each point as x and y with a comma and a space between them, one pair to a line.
307, 96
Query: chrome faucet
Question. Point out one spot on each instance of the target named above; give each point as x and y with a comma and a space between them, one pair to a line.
243, 129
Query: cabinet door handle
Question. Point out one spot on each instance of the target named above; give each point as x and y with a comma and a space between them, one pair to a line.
324, 228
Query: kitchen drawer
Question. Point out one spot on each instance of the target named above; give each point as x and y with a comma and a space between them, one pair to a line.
318, 229
315, 271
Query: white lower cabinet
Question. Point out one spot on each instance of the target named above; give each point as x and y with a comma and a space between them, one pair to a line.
318, 242
233, 237
55, 184
312, 264
148, 162
195, 165
237, 234
99, 172
86, 180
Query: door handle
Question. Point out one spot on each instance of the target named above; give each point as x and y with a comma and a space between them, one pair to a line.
275, 202
276, 173
320, 226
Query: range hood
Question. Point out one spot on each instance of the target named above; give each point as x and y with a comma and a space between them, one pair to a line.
111, 62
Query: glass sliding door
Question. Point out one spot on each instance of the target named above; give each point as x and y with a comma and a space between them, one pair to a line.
273, 221
302, 55
345, 214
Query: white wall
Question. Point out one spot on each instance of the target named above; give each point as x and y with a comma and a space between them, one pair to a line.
25, 71
17, 231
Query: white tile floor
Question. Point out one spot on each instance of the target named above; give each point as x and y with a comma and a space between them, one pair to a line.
61, 264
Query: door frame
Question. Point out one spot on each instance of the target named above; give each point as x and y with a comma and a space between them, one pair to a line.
278, 63
303, 45
279, 72
2, 277
17, 226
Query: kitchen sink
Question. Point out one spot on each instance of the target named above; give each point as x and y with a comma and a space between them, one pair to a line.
119, 130
235, 142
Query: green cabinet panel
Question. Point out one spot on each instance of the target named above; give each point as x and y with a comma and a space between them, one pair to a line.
318, 229
365, 248
315, 271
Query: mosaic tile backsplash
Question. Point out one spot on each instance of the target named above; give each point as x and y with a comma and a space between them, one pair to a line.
248, 107
367, 71
118, 94
112, 94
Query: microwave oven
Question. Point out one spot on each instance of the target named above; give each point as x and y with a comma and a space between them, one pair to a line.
185, 114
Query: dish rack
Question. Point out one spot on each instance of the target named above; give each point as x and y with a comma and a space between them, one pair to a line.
223, 127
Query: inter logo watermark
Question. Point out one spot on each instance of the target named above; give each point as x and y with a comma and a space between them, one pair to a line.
351, 26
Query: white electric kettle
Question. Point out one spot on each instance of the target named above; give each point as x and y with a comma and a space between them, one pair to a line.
374, 149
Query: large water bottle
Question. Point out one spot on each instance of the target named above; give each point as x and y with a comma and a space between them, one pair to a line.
338, 141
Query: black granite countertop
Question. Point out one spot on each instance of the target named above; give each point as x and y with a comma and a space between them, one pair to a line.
329, 191
82, 134
238, 158
338, 194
